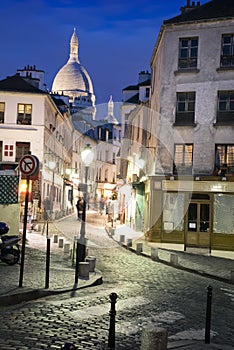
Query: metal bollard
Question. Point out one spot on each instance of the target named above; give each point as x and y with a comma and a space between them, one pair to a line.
47, 277
154, 253
139, 248
174, 259
83, 270
129, 242
74, 250
92, 263
122, 238
112, 313
208, 315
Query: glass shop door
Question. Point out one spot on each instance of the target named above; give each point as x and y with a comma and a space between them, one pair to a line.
198, 227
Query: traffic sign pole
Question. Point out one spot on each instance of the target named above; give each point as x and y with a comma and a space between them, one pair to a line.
28, 165
24, 233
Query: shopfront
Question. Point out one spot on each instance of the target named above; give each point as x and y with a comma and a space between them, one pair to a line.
196, 213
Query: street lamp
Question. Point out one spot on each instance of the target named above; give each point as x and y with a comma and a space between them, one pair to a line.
87, 158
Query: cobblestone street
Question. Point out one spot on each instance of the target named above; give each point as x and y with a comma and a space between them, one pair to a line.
148, 293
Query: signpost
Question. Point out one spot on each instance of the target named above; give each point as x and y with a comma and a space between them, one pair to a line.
29, 166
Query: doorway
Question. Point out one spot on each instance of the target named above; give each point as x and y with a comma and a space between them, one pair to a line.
198, 224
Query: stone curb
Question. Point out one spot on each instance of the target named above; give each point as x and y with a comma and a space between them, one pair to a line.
33, 294
177, 266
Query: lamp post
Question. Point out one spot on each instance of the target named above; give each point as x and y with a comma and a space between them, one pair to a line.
87, 158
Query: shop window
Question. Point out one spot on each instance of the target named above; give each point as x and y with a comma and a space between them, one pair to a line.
2, 112
173, 212
183, 159
225, 112
223, 214
24, 114
227, 51
224, 159
185, 108
188, 53
22, 148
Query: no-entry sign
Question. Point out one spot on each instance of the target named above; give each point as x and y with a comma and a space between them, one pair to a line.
29, 164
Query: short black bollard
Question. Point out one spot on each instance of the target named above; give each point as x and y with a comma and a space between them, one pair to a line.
112, 313
47, 277
208, 315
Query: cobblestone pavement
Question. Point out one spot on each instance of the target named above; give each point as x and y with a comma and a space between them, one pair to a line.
149, 293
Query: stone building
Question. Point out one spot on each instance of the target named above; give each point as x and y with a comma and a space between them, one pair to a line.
190, 195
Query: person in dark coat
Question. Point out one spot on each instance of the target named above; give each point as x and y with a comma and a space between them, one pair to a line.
80, 207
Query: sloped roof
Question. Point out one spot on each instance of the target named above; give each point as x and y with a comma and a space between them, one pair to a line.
131, 87
134, 99
215, 9
17, 83
145, 83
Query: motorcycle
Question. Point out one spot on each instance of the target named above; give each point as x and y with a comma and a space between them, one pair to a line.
9, 246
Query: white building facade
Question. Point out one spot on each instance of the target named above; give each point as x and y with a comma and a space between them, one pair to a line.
190, 195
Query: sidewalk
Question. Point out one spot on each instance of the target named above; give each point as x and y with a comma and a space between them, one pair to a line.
61, 273
218, 265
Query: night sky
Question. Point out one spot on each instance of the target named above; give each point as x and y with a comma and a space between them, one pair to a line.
116, 38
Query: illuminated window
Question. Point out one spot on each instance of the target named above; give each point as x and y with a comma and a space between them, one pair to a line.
183, 159
24, 115
2, 112
225, 155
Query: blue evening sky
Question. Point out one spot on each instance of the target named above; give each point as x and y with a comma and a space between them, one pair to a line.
116, 38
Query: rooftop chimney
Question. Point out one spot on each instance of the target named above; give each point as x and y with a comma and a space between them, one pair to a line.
189, 7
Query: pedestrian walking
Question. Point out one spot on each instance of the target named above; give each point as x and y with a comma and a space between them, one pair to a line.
80, 207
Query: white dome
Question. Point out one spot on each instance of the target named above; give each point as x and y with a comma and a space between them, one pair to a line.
73, 79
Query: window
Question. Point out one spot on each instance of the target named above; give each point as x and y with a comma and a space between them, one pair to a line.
24, 115
227, 51
22, 148
173, 212
0, 151
223, 213
185, 108
147, 92
224, 157
225, 113
183, 159
107, 156
2, 111
8, 150
188, 51
106, 175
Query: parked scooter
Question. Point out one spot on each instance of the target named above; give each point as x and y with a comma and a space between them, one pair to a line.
9, 246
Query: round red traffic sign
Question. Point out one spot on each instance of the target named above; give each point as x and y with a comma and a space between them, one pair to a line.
28, 164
